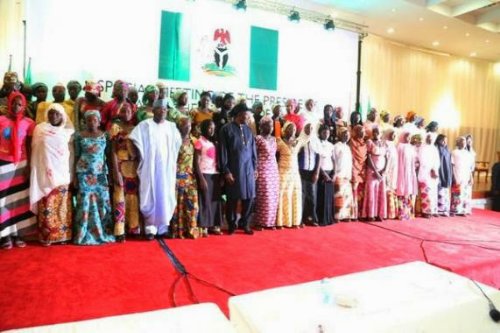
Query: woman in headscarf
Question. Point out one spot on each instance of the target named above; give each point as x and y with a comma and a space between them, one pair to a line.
40, 91
359, 156
90, 101
385, 122
278, 121
111, 109
202, 112
445, 176
93, 223
206, 156
329, 119
181, 103
342, 157
148, 98
325, 183
462, 165
428, 178
290, 193
74, 88
15, 144
50, 197
126, 183
472, 152
391, 172
375, 204
407, 186
267, 182
257, 114
185, 219
293, 116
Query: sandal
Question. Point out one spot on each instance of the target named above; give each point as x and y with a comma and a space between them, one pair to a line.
6, 243
18, 242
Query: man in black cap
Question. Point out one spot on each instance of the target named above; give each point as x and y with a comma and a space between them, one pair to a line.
238, 161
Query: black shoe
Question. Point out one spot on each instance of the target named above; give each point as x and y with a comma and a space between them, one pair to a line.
230, 231
150, 237
248, 231
120, 238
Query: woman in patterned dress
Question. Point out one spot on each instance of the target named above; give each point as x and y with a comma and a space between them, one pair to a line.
50, 196
184, 221
428, 176
268, 178
149, 97
125, 179
89, 102
93, 223
290, 194
407, 187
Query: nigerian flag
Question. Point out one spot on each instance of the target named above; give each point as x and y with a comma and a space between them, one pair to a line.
27, 76
218, 52
263, 58
175, 47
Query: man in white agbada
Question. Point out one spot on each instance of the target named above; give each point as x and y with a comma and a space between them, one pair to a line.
158, 142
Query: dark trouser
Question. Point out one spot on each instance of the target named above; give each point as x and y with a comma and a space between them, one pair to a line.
309, 196
325, 201
210, 204
246, 210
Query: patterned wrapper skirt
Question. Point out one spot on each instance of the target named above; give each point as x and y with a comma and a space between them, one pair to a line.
461, 199
55, 216
16, 217
343, 199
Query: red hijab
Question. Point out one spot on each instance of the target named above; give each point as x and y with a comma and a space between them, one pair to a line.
17, 117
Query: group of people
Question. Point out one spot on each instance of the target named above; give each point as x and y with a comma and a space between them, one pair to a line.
86, 171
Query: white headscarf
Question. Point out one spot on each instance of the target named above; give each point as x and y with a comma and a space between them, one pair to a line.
50, 157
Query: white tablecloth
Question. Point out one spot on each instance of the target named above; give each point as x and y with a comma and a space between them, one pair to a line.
204, 317
413, 297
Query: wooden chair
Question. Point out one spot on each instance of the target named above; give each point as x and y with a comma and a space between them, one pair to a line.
482, 166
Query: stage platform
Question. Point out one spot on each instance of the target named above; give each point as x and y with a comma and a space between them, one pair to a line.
44, 286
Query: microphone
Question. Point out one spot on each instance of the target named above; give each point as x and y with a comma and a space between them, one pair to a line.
494, 313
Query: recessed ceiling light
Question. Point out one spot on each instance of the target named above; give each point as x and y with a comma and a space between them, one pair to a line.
435, 43
473, 54
391, 30
393, 10
467, 34
487, 41
421, 19
445, 27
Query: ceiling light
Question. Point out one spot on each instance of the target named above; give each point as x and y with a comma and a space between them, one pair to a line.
294, 16
391, 30
487, 41
435, 43
467, 34
473, 54
329, 25
393, 10
241, 5
421, 19
445, 27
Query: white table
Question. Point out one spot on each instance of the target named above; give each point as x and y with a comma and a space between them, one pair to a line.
413, 297
205, 317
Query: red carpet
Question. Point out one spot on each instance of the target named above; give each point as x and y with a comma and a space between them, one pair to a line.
67, 283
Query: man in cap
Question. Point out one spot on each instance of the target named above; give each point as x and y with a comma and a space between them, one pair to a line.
238, 161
